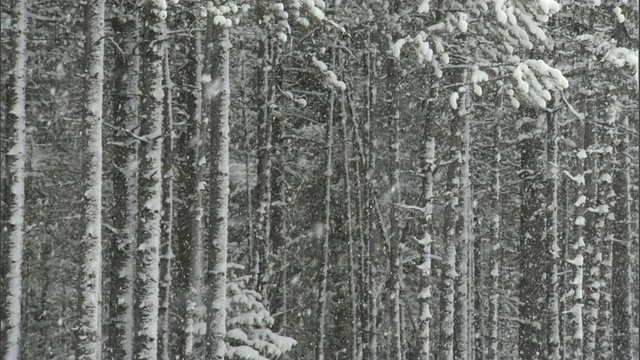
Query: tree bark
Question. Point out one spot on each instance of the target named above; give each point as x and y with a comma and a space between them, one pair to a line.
13, 218
125, 108
146, 294
88, 332
166, 254
553, 224
621, 305
219, 205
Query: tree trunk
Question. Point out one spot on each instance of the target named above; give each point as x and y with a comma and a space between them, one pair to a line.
125, 214
533, 249
454, 232
593, 256
576, 326
553, 183
324, 251
166, 255
353, 295
12, 239
604, 232
88, 333
263, 187
219, 206
190, 253
424, 297
621, 305
146, 294
496, 246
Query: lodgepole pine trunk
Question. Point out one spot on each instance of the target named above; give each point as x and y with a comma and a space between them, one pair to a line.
146, 294
216, 277
125, 183
166, 255
88, 331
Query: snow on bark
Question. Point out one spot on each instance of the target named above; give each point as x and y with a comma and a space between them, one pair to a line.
553, 182
575, 350
189, 260
424, 297
593, 255
125, 109
150, 186
12, 240
88, 334
219, 205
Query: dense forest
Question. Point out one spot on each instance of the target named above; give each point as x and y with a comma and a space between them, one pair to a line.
309, 179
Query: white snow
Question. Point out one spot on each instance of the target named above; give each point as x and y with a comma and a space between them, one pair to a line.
424, 7
453, 100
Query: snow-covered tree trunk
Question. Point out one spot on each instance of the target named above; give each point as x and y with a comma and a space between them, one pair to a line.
464, 243
621, 305
576, 259
190, 253
453, 233
553, 183
88, 331
216, 277
533, 249
424, 295
604, 216
125, 215
146, 293
12, 239
496, 245
592, 256
325, 248
263, 186
275, 292
166, 254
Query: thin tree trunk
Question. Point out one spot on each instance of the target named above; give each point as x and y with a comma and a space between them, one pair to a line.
454, 231
424, 297
464, 242
88, 333
553, 332
219, 205
393, 78
263, 187
166, 255
593, 256
324, 257
496, 246
605, 234
125, 108
621, 305
146, 294
12, 239
576, 326
353, 295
